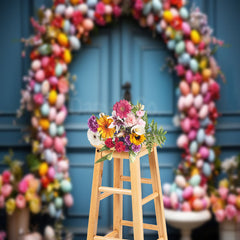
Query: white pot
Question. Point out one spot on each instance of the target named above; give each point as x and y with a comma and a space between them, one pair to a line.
229, 230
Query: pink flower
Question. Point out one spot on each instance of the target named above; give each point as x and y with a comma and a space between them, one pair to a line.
23, 186
6, 176
220, 215
20, 201
230, 211
223, 192
141, 122
2, 201
6, 190
29, 177
232, 199
117, 11
100, 8
131, 120
122, 108
140, 113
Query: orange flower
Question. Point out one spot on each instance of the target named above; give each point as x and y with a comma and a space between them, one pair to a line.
104, 122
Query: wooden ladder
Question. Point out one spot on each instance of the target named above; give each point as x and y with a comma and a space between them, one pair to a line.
100, 192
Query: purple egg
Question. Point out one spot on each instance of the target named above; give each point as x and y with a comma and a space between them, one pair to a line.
53, 81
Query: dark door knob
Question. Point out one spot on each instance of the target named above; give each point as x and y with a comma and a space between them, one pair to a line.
127, 91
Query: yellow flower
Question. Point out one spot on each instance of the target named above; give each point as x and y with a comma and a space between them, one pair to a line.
137, 139
35, 205
103, 127
10, 206
29, 195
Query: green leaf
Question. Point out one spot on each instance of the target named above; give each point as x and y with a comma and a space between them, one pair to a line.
104, 148
132, 156
106, 157
33, 162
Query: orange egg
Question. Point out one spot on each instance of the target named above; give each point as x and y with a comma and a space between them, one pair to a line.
206, 73
88, 24
167, 15
74, 2
43, 169
44, 123
62, 39
195, 36
52, 98
195, 88
67, 56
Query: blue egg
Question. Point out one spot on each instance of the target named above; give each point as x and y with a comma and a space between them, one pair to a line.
184, 13
194, 65
171, 44
74, 43
60, 9
59, 176
205, 122
52, 210
58, 70
173, 187
178, 36
45, 49
66, 186
66, 26
60, 130
147, 8
92, 3
180, 47
45, 109
58, 202
53, 129
200, 136
159, 28
157, 5
91, 14
179, 192
193, 147
37, 87
207, 171
58, 214
184, 59
48, 156
211, 156
195, 180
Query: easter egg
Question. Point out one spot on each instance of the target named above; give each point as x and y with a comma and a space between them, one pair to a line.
167, 16
204, 88
193, 147
189, 76
166, 202
48, 142
52, 98
74, 2
174, 12
159, 30
83, 8
58, 69
186, 28
67, 56
184, 13
186, 125
190, 48
52, 213
108, 9
68, 200
36, 65
182, 141
58, 202
53, 81
48, 155
45, 109
60, 9
211, 156
203, 111
43, 169
60, 118
194, 65
66, 26
207, 171
198, 192
198, 101
174, 200
171, 44
63, 166
200, 135
52, 114
186, 207
53, 129
184, 59
188, 192
192, 112
195, 180
45, 49
74, 43
44, 124
60, 130
195, 36
197, 205
59, 176
210, 140
192, 135
40, 75
206, 73
173, 187
156, 5
62, 39
87, 24
58, 145
199, 163
45, 87
203, 63
180, 47
205, 122
178, 36
181, 103
65, 186
57, 50
34, 122
195, 88
163, 24
147, 8
92, 3
189, 100
150, 20
60, 100
37, 87
167, 189
179, 193
180, 181
184, 88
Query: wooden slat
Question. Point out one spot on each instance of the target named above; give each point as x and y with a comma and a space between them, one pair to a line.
145, 225
104, 195
149, 198
112, 234
143, 180
115, 190
106, 238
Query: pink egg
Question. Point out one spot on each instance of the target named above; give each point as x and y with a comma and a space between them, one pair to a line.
52, 114
211, 106
68, 200
56, 49
60, 118
53, 81
204, 88
199, 163
198, 101
38, 98
192, 112
188, 192
54, 158
184, 88
36, 65
58, 145
203, 112
88, 24
207, 201
192, 135
163, 24
181, 103
166, 202
186, 125
186, 28
182, 141
150, 20
190, 47
45, 61
207, 98
198, 192
69, 12
174, 200
197, 204
60, 100
48, 142
180, 181
186, 207
65, 141
40, 75
204, 152
210, 140
63, 166
51, 173
166, 5
64, 67
189, 76
108, 9
34, 122
189, 100
174, 12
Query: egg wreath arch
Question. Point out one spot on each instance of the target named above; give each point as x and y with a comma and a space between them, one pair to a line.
60, 31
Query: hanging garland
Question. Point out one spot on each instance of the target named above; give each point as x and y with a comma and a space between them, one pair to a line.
62, 29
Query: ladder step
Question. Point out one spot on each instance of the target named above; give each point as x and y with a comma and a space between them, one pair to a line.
145, 225
149, 198
143, 180
104, 195
107, 238
112, 234
115, 190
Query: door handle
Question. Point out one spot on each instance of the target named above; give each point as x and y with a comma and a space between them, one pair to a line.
127, 91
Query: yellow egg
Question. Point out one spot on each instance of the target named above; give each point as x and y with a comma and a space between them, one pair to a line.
224, 183
74, 2
62, 39
44, 123
194, 171
195, 37
206, 73
170, 32
37, 112
195, 88
203, 63
52, 98
168, 17
67, 56
107, 1
43, 169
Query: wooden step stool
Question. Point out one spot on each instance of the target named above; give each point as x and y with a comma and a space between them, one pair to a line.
99, 193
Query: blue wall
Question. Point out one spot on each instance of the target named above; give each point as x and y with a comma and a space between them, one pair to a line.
116, 55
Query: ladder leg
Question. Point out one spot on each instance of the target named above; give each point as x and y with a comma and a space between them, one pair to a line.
95, 200
135, 173
117, 198
158, 202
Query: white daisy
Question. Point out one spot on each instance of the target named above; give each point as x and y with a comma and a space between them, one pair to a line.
94, 138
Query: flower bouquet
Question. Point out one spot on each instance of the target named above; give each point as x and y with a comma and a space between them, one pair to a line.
226, 199
126, 130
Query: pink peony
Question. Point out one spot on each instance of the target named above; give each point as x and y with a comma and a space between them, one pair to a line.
140, 113
6, 190
230, 211
141, 122
232, 199
122, 108
223, 192
23, 186
100, 8
6, 176
220, 215
20, 201
131, 120
2, 201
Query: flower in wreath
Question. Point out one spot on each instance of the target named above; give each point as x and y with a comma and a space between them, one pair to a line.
94, 138
10, 206
137, 139
119, 146
122, 108
92, 124
109, 143
131, 120
138, 129
103, 127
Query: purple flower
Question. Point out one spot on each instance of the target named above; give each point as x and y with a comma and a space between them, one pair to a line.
126, 149
92, 124
127, 140
136, 148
